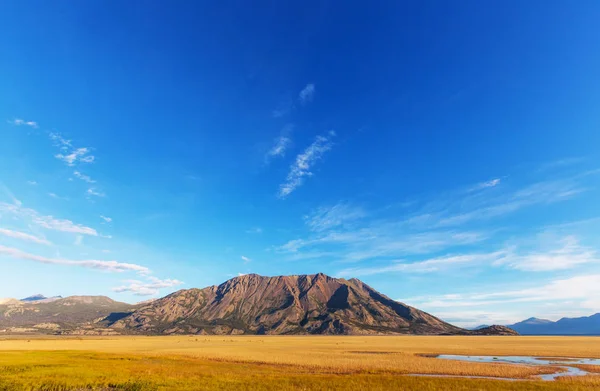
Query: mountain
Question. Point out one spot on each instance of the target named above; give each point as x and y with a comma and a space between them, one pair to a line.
494, 330
587, 325
301, 304
249, 304
39, 298
75, 314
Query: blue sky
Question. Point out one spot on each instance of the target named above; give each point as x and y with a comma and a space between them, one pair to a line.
446, 154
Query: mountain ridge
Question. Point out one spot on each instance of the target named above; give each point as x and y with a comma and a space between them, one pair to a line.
583, 325
295, 304
248, 304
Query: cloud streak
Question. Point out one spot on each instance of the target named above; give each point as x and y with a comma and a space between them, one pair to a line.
22, 122
302, 166
307, 94
148, 288
83, 177
108, 266
48, 222
70, 155
24, 236
93, 192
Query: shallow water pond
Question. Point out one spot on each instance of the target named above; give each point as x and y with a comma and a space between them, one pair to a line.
566, 364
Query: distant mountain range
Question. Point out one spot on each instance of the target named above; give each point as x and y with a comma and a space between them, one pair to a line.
586, 325
39, 298
249, 304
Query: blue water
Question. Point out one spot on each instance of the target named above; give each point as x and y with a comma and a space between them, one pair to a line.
563, 363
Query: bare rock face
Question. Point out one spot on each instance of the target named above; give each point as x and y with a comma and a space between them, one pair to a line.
303, 304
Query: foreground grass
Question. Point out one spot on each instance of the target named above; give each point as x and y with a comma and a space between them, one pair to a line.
277, 363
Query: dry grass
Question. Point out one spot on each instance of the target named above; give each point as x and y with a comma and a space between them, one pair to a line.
298, 363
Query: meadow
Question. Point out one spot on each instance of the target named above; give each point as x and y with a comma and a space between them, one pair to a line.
282, 363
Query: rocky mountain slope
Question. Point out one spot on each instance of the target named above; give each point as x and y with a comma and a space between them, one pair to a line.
75, 314
250, 304
304, 304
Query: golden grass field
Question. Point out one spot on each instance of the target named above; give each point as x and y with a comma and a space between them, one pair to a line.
281, 363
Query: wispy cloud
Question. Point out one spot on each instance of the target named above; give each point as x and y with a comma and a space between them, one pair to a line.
69, 154
246, 259
83, 177
148, 288
567, 255
304, 162
109, 266
281, 144
22, 122
572, 292
426, 266
32, 183
307, 94
485, 185
325, 218
95, 193
24, 236
254, 230
106, 219
379, 240
60, 141
48, 222
465, 210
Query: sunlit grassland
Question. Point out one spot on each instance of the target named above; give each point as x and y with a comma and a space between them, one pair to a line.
279, 363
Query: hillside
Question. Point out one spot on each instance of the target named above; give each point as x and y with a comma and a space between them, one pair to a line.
303, 304
75, 314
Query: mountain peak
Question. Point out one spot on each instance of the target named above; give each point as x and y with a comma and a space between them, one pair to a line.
35, 297
295, 304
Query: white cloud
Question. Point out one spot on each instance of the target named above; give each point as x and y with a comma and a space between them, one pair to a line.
246, 259
254, 230
380, 240
568, 255
110, 266
32, 183
107, 219
149, 288
83, 177
485, 185
535, 194
60, 141
576, 294
429, 265
69, 154
23, 236
75, 155
280, 146
325, 218
94, 192
307, 93
78, 240
21, 122
47, 222
304, 162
